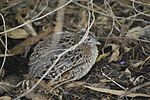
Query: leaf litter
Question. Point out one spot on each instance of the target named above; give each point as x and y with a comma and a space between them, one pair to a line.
122, 69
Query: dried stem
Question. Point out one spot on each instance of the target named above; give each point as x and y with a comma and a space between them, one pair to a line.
4, 25
59, 24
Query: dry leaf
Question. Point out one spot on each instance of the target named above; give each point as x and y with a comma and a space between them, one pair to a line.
102, 56
138, 80
138, 64
115, 54
126, 49
134, 33
128, 73
5, 98
113, 46
18, 34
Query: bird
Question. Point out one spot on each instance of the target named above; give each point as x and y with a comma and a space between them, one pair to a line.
71, 66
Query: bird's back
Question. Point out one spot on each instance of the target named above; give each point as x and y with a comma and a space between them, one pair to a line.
69, 65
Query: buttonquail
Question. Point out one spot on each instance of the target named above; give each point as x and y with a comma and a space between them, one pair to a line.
71, 66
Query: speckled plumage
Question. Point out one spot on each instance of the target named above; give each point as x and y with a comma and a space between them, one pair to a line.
73, 65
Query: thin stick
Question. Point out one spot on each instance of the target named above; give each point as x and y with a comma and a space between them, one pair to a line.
33, 20
4, 24
41, 10
59, 24
135, 88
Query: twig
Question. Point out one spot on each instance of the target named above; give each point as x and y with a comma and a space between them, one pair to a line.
12, 5
32, 20
59, 24
133, 4
143, 3
113, 80
4, 59
41, 10
115, 92
6, 55
107, 15
135, 88
60, 17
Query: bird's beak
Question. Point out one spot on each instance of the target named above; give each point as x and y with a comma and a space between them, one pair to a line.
97, 43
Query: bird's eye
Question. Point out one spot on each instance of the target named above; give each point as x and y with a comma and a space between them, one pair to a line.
89, 39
